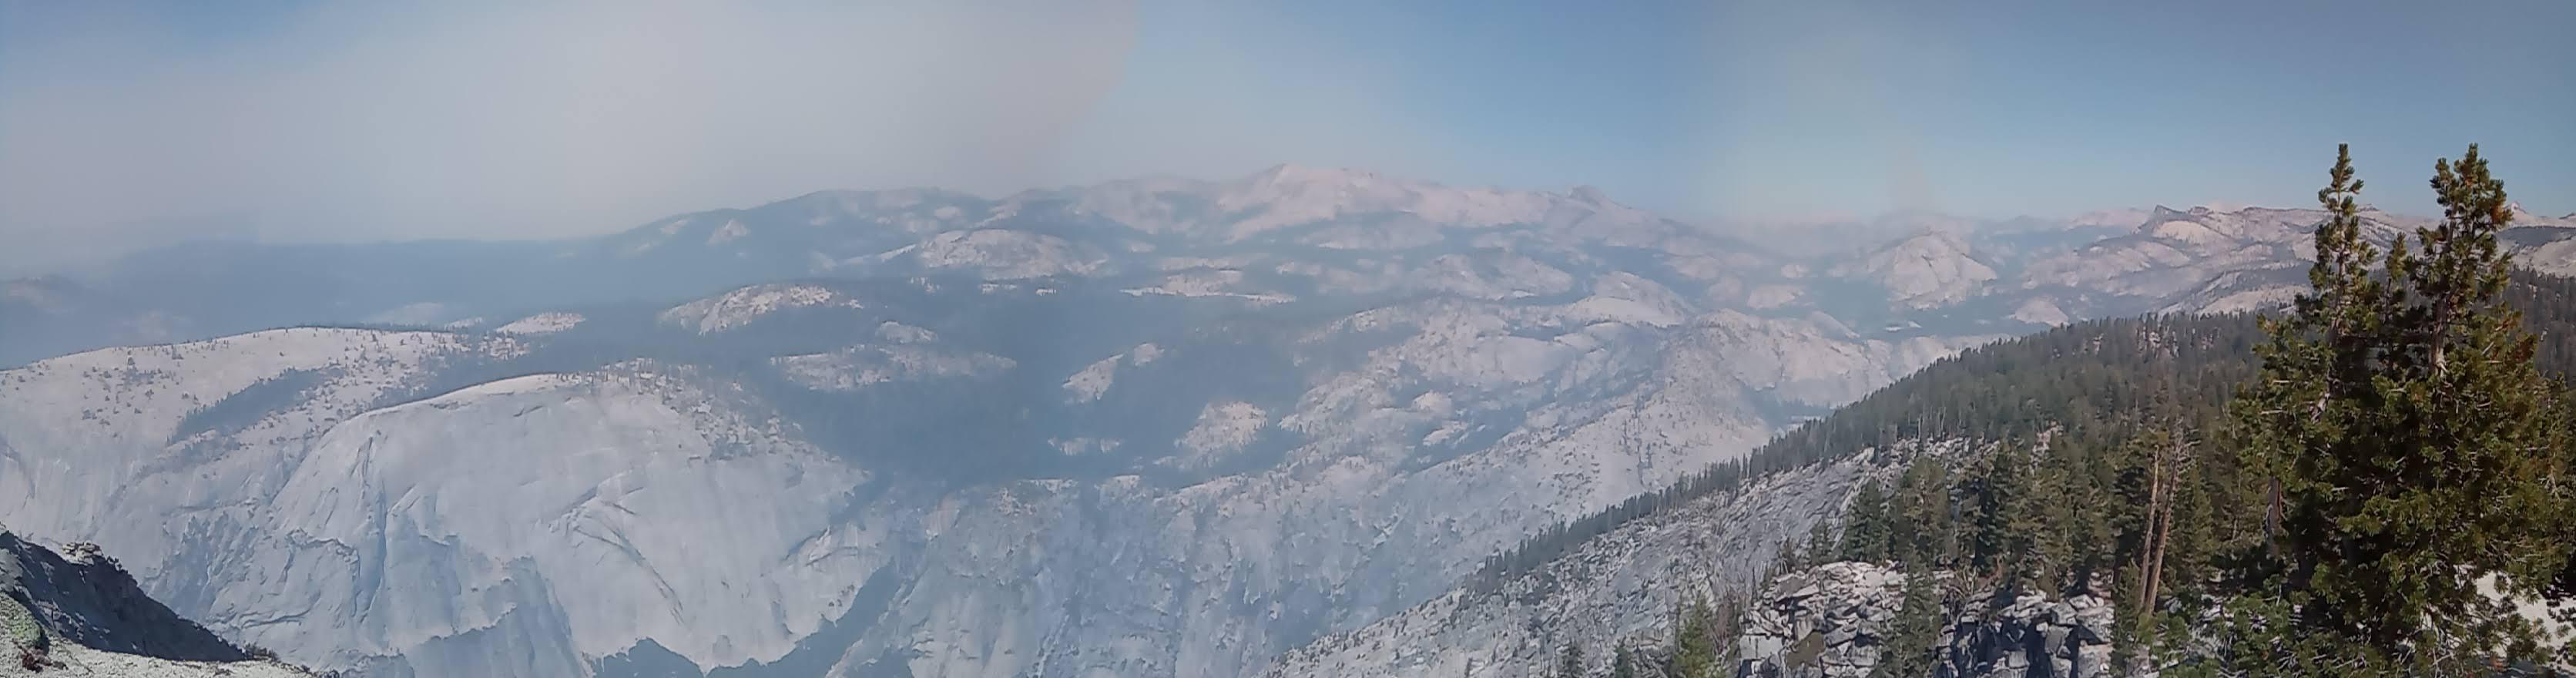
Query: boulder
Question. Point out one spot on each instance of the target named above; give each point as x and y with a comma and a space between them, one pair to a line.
1833, 620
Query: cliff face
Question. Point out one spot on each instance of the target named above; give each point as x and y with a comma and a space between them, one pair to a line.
1213, 501
1832, 620
1622, 585
83, 615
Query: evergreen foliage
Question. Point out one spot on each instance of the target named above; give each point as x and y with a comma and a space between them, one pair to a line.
2408, 439
248, 406
1699, 632
1909, 650
1865, 527
2404, 428
1694, 641
2080, 375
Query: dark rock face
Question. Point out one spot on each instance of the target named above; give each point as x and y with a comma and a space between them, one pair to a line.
86, 599
1833, 620
2033, 637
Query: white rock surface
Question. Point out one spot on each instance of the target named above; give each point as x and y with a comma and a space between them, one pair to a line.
1623, 584
861, 366
743, 306
1927, 270
542, 323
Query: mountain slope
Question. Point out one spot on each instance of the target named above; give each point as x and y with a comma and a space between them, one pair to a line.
1244, 473
82, 615
1618, 576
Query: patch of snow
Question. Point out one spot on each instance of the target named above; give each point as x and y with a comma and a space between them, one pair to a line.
905, 334
857, 367
542, 323
1773, 296
1088, 384
732, 229
2042, 312
1222, 428
740, 307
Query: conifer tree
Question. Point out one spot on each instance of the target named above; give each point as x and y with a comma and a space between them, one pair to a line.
1569, 663
2000, 529
2065, 522
1909, 649
1785, 561
2404, 430
1865, 524
1929, 536
2154, 471
1623, 662
1820, 543
1695, 640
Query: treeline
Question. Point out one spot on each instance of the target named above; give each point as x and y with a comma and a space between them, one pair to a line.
2085, 375
2097, 380
2322, 492
246, 407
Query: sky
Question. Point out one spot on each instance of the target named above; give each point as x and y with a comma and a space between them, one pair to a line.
127, 124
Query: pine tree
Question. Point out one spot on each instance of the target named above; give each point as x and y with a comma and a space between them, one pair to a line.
1695, 640
1820, 543
1865, 524
2000, 530
2064, 523
1785, 561
1902, 516
1929, 535
1569, 664
1909, 650
2404, 428
1623, 662
2189, 541
2153, 477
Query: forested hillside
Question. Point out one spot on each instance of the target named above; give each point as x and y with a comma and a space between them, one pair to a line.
2087, 381
2201, 472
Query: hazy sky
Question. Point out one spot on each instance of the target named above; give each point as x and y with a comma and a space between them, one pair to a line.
126, 123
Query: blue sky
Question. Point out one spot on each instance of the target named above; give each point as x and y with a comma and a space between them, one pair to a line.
359, 121
1814, 108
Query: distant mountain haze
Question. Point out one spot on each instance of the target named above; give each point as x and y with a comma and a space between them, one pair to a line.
1156, 427
205, 289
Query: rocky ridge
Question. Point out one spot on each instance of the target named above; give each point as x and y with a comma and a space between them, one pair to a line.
1832, 621
1620, 585
78, 614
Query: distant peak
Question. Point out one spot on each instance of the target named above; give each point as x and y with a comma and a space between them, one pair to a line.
1292, 173
1927, 237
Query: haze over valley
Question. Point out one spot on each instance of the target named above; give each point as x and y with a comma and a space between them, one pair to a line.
1158, 416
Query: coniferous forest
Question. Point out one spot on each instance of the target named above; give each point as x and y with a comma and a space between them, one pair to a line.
2320, 491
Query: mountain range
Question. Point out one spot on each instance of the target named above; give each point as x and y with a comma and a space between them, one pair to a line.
1148, 427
